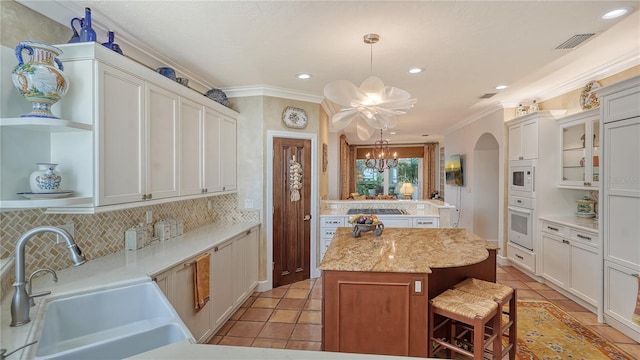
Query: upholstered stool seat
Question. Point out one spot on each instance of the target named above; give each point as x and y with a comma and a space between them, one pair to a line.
471, 313
502, 295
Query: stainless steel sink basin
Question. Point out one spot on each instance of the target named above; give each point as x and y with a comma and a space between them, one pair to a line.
113, 323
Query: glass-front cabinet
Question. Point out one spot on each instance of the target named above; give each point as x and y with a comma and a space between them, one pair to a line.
580, 150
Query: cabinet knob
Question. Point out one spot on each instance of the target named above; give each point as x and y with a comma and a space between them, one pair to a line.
583, 237
144, 196
248, 232
519, 257
215, 249
150, 196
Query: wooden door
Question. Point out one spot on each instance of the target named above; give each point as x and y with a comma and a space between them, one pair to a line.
291, 219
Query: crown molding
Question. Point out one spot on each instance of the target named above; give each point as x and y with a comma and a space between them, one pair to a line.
623, 62
266, 90
492, 108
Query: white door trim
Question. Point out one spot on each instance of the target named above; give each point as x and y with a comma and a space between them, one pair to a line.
271, 134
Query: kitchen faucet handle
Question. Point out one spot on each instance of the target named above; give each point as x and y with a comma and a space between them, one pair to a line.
42, 293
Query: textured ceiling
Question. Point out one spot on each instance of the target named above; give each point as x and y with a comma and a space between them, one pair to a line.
465, 47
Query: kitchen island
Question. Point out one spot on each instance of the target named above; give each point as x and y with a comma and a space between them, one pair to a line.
376, 289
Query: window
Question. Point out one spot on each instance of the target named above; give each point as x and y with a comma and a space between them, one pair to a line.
370, 182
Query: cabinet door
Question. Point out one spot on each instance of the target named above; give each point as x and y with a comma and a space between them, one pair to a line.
621, 206
198, 321
222, 284
555, 260
573, 153
515, 142
585, 272
620, 293
253, 248
211, 156
165, 284
162, 154
530, 139
121, 129
191, 115
239, 272
228, 147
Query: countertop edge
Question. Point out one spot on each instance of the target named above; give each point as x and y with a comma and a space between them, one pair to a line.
114, 270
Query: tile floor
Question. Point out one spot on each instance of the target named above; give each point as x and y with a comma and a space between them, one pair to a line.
290, 316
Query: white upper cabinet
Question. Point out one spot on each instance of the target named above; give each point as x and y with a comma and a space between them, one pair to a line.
580, 150
127, 136
121, 136
191, 139
523, 139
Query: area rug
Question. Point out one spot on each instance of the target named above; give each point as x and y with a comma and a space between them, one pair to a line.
547, 332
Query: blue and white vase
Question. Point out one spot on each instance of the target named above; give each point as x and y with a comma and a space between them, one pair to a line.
39, 79
45, 179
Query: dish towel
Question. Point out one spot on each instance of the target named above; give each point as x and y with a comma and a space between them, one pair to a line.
636, 312
201, 281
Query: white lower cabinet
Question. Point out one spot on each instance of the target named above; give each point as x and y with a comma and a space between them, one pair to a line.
328, 227
621, 284
570, 261
177, 284
396, 221
222, 268
233, 277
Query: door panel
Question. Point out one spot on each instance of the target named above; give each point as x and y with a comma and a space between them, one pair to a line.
291, 232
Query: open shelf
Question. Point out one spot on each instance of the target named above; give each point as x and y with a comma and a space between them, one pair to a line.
44, 124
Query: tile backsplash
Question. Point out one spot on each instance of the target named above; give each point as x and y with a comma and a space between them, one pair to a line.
103, 234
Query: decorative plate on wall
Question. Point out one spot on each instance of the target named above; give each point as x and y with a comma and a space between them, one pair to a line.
588, 97
294, 117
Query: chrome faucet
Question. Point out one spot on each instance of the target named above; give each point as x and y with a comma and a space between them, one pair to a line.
20, 303
30, 289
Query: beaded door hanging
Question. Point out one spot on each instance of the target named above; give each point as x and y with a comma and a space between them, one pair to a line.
295, 178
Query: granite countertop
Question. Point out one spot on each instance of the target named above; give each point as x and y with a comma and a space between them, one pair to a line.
119, 269
407, 250
586, 224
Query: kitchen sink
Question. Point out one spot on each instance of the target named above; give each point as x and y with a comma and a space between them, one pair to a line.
113, 323
376, 211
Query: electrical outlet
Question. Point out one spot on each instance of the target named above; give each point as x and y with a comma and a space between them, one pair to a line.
209, 205
68, 227
149, 216
420, 206
248, 203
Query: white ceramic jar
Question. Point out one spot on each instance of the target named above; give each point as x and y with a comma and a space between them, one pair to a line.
45, 179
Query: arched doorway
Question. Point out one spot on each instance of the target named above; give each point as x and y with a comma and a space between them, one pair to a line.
486, 181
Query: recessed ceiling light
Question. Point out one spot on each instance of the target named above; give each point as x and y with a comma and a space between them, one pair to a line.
303, 76
415, 70
392, 133
615, 13
501, 87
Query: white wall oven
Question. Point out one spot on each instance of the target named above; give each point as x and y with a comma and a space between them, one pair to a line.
521, 215
522, 178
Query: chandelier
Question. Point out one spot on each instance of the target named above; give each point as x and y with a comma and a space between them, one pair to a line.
378, 161
373, 105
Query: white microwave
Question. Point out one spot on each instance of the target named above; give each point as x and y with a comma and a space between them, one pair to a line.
522, 178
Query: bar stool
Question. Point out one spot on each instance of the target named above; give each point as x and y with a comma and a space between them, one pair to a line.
502, 295
467, 311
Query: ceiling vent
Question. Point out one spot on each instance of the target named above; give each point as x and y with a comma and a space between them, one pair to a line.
574, 41
487, 95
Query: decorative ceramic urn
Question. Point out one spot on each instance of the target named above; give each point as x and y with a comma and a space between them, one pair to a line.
39, 79
45, 179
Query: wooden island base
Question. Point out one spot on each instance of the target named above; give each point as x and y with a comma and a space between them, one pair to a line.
376, 292
375, 313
